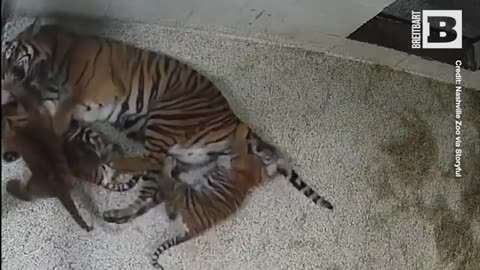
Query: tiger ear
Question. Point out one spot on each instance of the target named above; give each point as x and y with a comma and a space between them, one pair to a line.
32, 29
6, 44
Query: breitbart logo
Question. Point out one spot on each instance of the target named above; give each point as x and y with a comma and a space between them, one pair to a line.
437, 29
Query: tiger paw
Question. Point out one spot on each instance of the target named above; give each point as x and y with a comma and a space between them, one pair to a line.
87, 228
10, 156
123, 182
14, 188
50, 106
124, 178
107, 173
115, 216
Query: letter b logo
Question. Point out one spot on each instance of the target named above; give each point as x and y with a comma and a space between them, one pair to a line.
449, 23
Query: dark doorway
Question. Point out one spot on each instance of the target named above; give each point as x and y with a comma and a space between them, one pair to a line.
392, 28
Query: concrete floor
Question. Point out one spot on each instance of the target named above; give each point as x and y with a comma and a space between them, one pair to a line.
378, 143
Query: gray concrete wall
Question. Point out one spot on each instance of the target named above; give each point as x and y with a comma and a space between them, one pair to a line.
319, 25
294, 18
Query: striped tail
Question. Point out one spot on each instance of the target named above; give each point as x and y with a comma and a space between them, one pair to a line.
274, 163
303, 187
164, 246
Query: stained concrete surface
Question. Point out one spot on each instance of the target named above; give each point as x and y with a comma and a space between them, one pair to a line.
378, 143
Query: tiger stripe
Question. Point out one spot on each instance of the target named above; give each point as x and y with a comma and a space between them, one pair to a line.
151, 96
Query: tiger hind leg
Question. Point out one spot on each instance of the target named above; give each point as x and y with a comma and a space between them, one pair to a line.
147, 199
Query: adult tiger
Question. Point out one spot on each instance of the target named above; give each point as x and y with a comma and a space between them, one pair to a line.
151, 96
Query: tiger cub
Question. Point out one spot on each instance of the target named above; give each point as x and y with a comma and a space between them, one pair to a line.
55, 162
43, 152
82, 144
201, 187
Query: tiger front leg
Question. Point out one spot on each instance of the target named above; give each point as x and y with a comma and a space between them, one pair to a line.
63, 115
126, 164
17, 190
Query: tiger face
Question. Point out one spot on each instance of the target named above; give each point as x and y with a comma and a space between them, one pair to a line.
21, 62
20, 59
16, 61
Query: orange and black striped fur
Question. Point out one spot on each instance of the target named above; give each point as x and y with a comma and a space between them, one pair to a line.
200, 187
151, 96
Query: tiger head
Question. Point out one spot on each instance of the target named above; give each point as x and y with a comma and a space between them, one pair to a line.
20, 57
